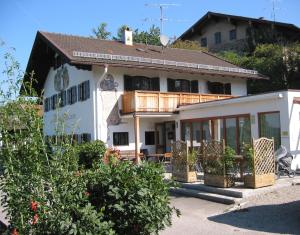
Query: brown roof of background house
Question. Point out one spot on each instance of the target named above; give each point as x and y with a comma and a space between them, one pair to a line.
48, 45
202, 21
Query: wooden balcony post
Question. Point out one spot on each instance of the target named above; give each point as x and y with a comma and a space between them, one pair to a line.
137, 138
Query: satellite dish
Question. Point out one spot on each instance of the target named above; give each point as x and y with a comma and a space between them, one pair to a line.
164, 40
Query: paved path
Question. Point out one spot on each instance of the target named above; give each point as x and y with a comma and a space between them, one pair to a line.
272, 213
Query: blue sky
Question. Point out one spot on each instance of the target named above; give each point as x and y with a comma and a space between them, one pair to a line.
20, 19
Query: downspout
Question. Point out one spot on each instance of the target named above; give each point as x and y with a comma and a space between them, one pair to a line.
97, 137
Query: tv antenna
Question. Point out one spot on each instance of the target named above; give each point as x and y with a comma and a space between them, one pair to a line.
161, 6
274, 9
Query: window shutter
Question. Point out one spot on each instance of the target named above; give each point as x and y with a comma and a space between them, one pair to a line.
87, 90
171, 84
74, 95
228, 88
79, 92
45, 105
194, 86
128, 83
69, 96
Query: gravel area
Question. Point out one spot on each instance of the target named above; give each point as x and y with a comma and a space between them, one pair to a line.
275, 212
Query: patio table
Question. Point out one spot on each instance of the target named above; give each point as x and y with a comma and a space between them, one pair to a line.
157, 156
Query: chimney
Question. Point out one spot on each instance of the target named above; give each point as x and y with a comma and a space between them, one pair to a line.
127, 37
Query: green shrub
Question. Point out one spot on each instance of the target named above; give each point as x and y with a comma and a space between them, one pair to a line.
46, 191
90, 152
134, 197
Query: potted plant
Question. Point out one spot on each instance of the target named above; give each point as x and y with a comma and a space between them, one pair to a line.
184, 167
218, 171
260, 163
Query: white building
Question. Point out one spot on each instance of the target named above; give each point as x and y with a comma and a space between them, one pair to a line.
137, 96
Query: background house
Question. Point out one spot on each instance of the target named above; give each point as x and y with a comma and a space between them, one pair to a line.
222, 32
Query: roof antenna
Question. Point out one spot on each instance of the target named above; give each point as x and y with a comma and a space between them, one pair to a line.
164, 40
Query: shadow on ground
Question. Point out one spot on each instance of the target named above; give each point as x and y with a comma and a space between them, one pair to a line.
281, 218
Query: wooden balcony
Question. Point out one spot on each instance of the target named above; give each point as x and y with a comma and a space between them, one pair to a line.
154, 101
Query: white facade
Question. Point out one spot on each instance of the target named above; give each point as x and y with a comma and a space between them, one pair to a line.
254, 105
91, 116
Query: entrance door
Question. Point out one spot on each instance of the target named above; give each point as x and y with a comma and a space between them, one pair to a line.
164, 136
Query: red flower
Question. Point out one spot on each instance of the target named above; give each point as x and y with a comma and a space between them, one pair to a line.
34, 206
87, 194
14, 232
35, 219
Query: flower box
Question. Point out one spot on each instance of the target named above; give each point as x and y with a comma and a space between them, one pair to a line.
258, 181
221, 181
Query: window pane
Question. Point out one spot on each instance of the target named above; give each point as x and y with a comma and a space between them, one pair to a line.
186, 132
269, 126
231, 138
120, 138
203, 42
218, 39
244, 131
149, 138
196, 133
206, 127
218, 129
232, 34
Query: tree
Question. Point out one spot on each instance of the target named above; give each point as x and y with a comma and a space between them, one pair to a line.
280, 63
120, 32
150, 36
101, 31
189, 45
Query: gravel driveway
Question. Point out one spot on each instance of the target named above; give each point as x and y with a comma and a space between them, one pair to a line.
272, 213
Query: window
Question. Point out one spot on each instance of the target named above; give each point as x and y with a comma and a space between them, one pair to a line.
219, 88
232, 34
218, 38
62, 96
182, 85
84, 91
85, 137
203, 42
54, 102
120, 138
194, 86
231, 133
149, 138
132, 83
72, 95
47, 104
244, 131
269, 127
196, 126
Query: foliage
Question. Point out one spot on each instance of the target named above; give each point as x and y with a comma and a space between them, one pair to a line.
189, 45
100, 32
134, 197
248, 153
220, 165
90, 152
47, 192
228, 159
280, 64
150, 37
191, 159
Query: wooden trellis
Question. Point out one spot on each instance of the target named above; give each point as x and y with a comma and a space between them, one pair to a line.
263, 173
211, 153
180, 166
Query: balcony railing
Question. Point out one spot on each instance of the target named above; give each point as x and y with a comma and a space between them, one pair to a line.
154, 101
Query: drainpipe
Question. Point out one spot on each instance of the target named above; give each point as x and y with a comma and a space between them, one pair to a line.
97, 84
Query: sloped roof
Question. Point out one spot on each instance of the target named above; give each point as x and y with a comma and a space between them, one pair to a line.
75, 50
203, 20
